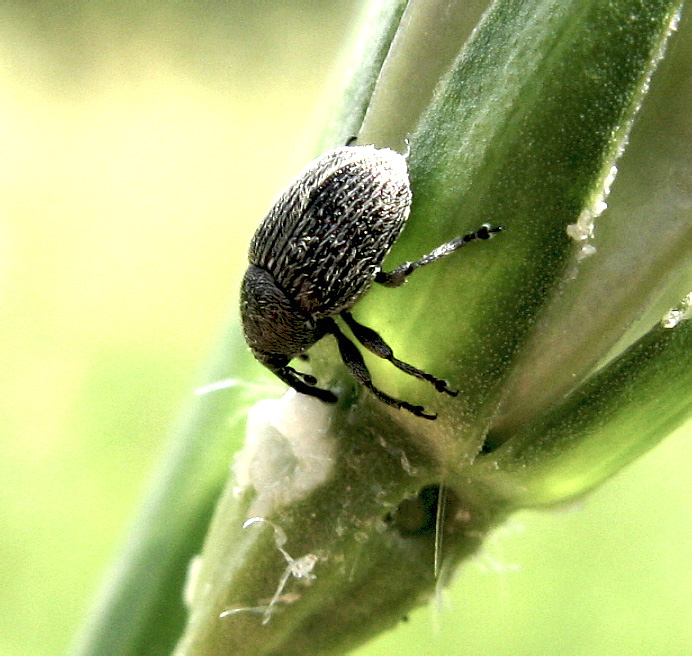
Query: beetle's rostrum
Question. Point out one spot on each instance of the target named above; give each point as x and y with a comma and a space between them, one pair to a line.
318, 251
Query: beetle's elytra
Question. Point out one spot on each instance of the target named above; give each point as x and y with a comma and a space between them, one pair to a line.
318, 250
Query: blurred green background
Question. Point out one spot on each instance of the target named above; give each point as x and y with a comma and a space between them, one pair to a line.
141, 144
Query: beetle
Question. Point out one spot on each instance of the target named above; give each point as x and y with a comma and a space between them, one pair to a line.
318, 251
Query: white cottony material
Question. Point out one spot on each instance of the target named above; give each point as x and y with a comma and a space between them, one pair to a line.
582, 230
681, 313
288, 451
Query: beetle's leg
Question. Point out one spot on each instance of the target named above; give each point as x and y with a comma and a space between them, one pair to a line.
356, 366
403, 271
303, 383
373, 341
306, 378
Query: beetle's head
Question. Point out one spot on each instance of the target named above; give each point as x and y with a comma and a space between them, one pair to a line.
275, 328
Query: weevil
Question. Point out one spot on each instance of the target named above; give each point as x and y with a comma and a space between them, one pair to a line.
318, 251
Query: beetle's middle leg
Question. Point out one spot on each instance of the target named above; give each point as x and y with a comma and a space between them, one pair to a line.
403, 271
357, 368
373, 341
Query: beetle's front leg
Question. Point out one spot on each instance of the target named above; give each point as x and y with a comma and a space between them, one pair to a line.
303, 383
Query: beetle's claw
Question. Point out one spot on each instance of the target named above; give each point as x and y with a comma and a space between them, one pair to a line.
426, 415
443, 386
418, 410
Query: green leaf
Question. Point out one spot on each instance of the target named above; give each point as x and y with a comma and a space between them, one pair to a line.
140, 609
522, 132
619, 414
378, 27
357, 510
369, 507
